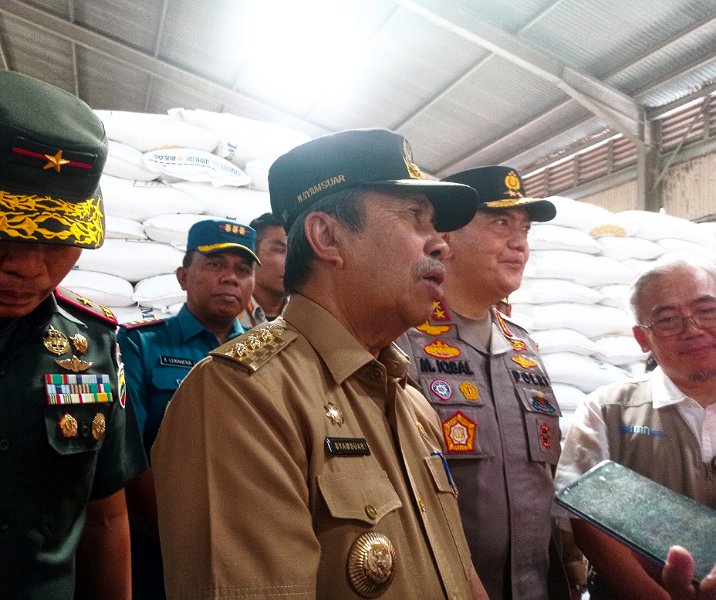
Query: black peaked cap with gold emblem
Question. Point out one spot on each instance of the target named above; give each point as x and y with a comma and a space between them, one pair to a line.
52, 151
501, 187
369, 158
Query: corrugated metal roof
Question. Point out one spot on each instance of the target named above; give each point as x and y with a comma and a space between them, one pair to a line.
469, 82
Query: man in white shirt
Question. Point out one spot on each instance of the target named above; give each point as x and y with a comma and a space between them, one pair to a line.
662, 424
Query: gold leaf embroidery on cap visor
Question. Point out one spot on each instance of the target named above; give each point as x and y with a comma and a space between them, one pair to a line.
23, 217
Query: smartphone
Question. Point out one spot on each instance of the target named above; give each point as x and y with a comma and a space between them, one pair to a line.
643, 514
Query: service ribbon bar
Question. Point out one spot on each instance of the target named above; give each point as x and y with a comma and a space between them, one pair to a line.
77, 388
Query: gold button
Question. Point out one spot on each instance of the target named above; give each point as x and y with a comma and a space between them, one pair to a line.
421, 504
371, 511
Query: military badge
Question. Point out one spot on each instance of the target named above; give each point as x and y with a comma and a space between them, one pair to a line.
73, 364
334, 414
441, 389
518, 345
98, 426
541, 404
68, 426
440, 349
525, 363
371, 564
459, 433
513, 185
56, 342
433, 329
469, 390
545, 435
440, 313
413, 169
80, 343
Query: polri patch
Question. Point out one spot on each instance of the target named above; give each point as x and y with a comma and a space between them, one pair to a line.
338, 446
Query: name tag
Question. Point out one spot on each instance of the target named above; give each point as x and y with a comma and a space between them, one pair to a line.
176, 361
347, 446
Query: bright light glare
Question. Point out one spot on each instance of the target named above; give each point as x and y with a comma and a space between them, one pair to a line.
299, 48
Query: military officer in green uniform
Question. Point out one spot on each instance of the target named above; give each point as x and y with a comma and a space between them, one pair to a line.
68, 440
218, 276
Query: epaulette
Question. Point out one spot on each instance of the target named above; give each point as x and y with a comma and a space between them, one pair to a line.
141, 323
100, 311
257, 346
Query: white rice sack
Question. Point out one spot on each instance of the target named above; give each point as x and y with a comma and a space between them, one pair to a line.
582, 372
127, 162
679, 246
591, 320
636, 265
258, 170
160, 291
557, 237
171, 229
568, 396
128, 314
634, 369
579, 215
563, 340
123, 228
656, 226
145, 131
240, 204
548, 291
621, 248
616, 295
708, 229
243, 139
105, 289
131, 259
188, 164
579, 267
619, 349
139, 200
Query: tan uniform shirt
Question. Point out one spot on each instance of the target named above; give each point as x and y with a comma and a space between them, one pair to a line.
257, 497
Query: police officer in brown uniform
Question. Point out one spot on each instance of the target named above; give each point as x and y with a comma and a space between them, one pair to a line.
297, 460
68, 442
499, 416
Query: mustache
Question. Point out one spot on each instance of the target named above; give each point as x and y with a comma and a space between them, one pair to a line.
426, 265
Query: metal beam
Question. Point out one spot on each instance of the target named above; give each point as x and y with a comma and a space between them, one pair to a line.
140, 61
614, 107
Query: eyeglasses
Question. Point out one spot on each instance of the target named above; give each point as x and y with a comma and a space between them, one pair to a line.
668, 326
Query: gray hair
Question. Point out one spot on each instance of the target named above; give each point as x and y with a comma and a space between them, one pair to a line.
665, 265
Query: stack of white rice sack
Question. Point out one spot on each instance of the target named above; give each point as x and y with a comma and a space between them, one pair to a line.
163, 174
573, 296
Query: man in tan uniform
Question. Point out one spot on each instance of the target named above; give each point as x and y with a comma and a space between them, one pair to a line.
297, 461
662, 424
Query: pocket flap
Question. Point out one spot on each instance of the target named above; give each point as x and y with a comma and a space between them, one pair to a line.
366, 497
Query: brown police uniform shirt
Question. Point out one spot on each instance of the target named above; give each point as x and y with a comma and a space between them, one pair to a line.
500, 422
289, 480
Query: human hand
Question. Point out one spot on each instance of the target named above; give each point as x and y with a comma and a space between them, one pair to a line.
678, 574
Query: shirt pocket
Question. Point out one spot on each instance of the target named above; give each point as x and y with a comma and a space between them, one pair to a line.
168, 378
76, 428
367, 498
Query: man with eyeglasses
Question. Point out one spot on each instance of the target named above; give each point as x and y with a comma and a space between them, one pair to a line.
662, 424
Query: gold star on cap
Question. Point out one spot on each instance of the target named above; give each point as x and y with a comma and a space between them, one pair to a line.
55, 162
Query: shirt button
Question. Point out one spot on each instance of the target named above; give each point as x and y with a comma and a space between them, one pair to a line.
376, 373
371, 511
4, 445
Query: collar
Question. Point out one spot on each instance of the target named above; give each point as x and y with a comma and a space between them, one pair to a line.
663, 391
189, 325
342, 354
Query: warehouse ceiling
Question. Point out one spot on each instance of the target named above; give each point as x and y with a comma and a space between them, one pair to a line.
468, 82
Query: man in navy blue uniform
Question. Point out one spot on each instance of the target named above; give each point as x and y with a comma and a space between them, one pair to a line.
68, 440
218, 275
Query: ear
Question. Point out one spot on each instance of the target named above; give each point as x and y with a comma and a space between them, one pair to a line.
325, 235
641, 338
181, 277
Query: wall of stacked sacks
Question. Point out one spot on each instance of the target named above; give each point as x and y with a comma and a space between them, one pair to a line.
166, 172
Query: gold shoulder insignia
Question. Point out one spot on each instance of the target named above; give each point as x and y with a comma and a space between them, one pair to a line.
257, 346
104, 313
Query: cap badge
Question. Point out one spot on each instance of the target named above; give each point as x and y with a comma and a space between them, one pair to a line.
56, 342
512, 181
413, 169
55, 162
371, 564
334, 414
